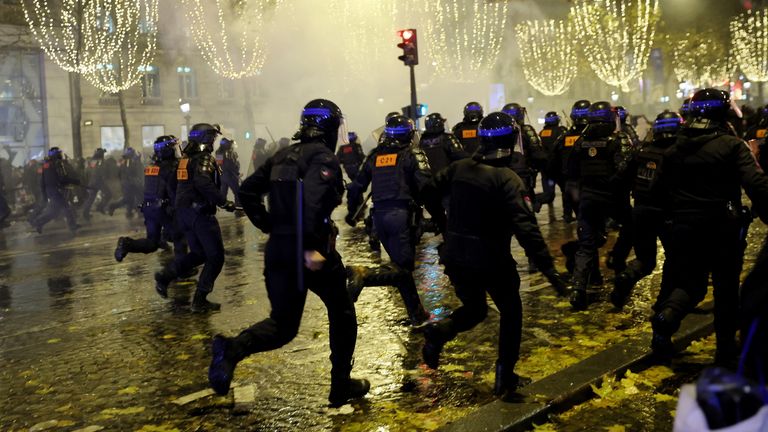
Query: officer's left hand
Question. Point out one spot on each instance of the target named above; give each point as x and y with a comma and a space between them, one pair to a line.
313, 260
229, 206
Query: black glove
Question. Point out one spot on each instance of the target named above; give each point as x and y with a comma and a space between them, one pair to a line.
350, 220
229, 206
557, 282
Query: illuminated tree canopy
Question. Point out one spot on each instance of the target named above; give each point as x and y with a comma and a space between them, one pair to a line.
548, 55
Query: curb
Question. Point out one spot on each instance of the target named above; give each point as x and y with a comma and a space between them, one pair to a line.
571, 386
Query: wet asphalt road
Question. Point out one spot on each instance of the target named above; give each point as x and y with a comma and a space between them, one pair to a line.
86, 342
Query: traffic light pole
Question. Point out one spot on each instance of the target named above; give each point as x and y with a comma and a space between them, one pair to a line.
414, 114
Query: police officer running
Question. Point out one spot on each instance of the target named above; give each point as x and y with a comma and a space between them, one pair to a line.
97, 182
549, 135
400, 177
197, 195
559, 167
303, 184
486, 210
600, 159
440, 147
351, 156
704, 172
226, 158
57, 175
131, 173
159, 196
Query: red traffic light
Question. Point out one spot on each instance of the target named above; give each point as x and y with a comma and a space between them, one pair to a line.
409, 46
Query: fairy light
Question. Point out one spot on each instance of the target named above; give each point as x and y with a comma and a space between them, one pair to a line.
231, 45
749, 32
702, 61
547, 54
122, 69
616, 36
77, 35
464, 36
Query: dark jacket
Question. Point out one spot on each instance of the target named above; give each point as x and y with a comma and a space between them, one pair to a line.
441, 149
198, 183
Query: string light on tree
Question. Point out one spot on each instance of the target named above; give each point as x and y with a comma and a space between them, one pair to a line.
227, 33
464, 36
700, 60
77, 35
547, 54
616, 36
124, 68
749, 32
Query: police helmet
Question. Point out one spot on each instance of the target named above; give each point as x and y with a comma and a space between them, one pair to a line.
434, 123
321, 119
685, 108
516, 111
498, 134
226, 143
601, 112
201, 138
55, 153
129, 153
99, 153
352, 136
390, 115
622, 113
552, 119
708, 109
473, 112
165, 147
667, 124
579, 112
400, 129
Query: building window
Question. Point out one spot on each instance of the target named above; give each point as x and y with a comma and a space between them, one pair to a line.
149, 134
112, 138
150, 82
187, 82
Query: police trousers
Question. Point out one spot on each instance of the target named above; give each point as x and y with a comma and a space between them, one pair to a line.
205, 246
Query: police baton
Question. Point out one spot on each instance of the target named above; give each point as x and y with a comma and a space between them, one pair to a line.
362, 206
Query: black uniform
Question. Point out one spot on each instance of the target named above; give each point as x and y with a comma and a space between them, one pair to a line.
441, 149
526, 162
599, 159
130, 170
259, 155
703, 174
30, 181
97, 182
563, 173
159, 196
466, 133
57, 175
351, 156
227, 160
399, 173
549, 136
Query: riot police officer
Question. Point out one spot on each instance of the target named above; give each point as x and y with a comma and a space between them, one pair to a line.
466, 130
626, 127
648, 216
440, 147
258, 155
529, 158
159, 196
400, 176
755, 137
30, 180
97, 182
303, 184
226, 158
549, 135
600, 158
704, 172
198, 194
131, 173
559, 168
351, 156
56, 176
486, 209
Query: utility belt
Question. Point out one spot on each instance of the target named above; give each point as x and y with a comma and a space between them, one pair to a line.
155, 203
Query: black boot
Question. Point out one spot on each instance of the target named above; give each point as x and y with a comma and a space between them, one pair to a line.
163, 279
622, 288
614, 264
344, 389
222, 368
435, 337
664, 325
507, 381
356, 276
579, 300
200, 304
120, 250
569, 252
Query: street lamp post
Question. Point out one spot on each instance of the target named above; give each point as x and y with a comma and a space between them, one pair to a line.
186, 108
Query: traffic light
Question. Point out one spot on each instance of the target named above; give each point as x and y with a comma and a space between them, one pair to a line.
409, 46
